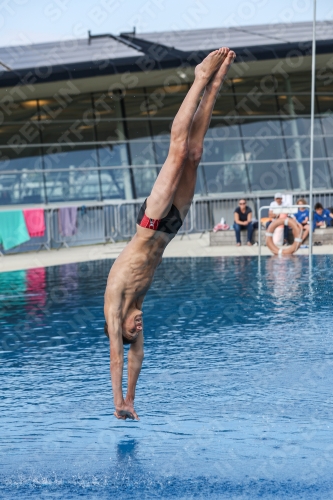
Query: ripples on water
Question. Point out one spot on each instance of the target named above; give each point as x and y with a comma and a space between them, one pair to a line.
235, 394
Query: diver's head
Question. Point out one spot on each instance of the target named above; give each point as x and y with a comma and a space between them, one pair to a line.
132, 327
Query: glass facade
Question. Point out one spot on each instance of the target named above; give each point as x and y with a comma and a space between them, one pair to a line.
102, 146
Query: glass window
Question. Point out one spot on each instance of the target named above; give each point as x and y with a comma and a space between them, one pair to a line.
225, 103
112, 130
330, 170
72, 185
256, 104
113, 155
116, 183
300, 147
327, 124
107, 105
136, 105
76, 178
298, 170
142, 152
161, 133
144, 179
296, 104
325, 103
266, 84
226, 178
161, 128
20, 134
300, 82
260, 128
161, 148
26, 187
221, 150
300, 173
168, 89
65, 157
329, 146
164, 105
297, 127
220, 129
21, 158
61, 132
260, 148
200, 185
321, 174
67, 105
324, 82
141, 145
19, 112
138, 129
269, 176
165, 101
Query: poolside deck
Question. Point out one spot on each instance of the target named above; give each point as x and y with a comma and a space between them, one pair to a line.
194, 245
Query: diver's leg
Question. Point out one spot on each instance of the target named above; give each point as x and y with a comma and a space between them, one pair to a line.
161, 197
185, 191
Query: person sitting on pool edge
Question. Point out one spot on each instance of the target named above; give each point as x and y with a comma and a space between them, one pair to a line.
302, 217
159, 219
278, 203
243, 221
322, 217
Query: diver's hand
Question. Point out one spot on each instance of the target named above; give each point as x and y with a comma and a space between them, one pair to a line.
126, 410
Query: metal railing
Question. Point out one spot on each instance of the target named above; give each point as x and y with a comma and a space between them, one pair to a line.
112, 221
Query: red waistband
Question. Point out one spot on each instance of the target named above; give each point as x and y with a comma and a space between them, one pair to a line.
149, 223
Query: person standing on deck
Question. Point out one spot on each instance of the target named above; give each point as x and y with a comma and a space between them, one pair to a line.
160, 217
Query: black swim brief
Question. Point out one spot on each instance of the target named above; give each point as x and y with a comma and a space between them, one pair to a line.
170, 224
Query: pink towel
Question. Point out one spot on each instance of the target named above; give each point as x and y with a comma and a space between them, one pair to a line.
221, 227
35, 221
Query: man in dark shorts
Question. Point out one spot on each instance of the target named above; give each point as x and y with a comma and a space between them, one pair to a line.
243, 221
158, 222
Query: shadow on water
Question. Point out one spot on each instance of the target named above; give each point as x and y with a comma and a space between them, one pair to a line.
127, 451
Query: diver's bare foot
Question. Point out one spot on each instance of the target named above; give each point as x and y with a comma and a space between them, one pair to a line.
238, 244
206, 69
249, 244
228, 59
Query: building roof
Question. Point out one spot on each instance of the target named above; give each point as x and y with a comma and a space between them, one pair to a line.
110, 54
242, 36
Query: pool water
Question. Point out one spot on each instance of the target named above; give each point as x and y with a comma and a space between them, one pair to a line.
235, 395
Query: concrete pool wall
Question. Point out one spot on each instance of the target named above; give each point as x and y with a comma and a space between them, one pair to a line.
193, 245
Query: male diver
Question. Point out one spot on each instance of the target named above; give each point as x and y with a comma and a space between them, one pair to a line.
160, 217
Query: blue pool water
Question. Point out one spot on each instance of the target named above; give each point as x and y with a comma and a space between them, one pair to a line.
235, 395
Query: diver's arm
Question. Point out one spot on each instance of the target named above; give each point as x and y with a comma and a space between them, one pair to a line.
116, 358
135, 358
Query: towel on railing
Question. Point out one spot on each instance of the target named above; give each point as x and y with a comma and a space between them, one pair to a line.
35, 221
13, 229
67, 221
